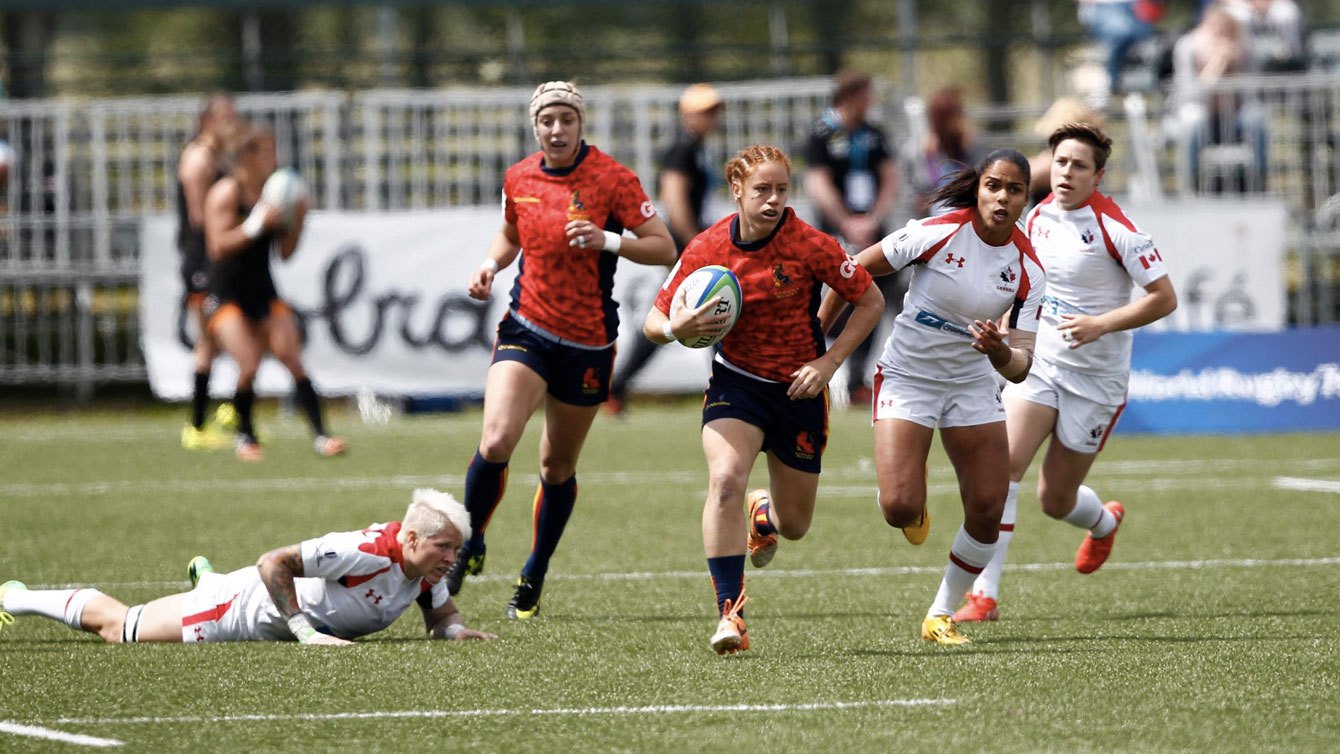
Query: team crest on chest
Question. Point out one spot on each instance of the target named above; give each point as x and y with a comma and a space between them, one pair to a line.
1087, 236
576, 208
781, 282
1007, 278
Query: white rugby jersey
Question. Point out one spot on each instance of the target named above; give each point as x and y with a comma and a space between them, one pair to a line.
958, 278
354, 583
1093, 254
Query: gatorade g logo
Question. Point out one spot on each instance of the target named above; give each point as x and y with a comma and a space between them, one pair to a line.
848, 268
648, 209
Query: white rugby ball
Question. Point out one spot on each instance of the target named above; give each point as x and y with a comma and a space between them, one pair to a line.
702, 285
284, 189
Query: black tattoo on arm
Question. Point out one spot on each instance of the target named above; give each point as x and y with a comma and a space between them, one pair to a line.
278, 570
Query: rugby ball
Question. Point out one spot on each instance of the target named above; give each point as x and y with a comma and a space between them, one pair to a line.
704, 284
284, 189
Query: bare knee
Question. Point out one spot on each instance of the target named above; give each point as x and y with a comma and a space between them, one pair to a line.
497, 445
901, 510
792, 529
1055, 503
557, 470
725, 491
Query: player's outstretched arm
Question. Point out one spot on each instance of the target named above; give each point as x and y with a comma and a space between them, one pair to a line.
446, 622
278, 569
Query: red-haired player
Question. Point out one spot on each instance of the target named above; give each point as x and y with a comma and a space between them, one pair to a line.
768, 391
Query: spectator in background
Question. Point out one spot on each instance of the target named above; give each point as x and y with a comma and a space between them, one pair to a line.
1274, 33
853, 183
949, 146
686, 175
1064, 110
202, 163
1215, 48
6, 160
1118, 25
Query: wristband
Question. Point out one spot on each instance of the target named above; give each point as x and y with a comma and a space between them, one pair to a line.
301, 628
612, 242
255, 222
489, 264
454, 631
668, 332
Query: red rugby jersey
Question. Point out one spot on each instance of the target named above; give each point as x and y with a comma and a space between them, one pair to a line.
565, 290
781, 278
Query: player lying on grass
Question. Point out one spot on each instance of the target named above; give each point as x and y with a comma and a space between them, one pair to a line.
328, 590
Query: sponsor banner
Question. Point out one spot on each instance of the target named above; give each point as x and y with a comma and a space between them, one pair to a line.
382, 303
1225, 258
1232, 383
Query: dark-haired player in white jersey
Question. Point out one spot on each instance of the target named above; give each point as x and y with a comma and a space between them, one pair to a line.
1077, 388
328, 590
971, 267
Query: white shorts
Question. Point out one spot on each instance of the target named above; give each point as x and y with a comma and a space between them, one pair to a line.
1082, 423
931, 403
231, 607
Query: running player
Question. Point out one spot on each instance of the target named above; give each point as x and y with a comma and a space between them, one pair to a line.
244, 309
203, 162
973, 265
329, 590
567, 206
768, 391
1077, 387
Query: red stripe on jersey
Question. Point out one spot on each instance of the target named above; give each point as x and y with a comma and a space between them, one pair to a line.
874, 400
350, 581
1007, 527
959, 217
387, 544
205, 616
956, 560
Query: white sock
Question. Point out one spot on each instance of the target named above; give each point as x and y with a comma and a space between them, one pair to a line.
967, 558
1090, 514
988, 582
130, 630
65, 605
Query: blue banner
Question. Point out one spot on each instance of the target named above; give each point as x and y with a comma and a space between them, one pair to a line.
1233, 383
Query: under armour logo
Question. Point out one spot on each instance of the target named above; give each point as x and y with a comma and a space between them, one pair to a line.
372, 595
950, 259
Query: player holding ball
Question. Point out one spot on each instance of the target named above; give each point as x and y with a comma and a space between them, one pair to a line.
768, 391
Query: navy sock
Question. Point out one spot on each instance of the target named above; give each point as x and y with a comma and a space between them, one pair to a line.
485, 483
728, 578
199, 399
553, 507
762, 524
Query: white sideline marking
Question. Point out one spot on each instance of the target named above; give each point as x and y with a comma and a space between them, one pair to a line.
33, 731
1306, 485
865, 490
657, 709
1151, 565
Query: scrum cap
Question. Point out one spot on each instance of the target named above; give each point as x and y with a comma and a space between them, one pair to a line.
557, 93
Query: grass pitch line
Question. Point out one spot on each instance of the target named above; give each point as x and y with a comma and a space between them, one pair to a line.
1306, 485
657, 709
33, 731
1150, 565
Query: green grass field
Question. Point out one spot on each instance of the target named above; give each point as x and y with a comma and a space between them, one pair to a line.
1213, 628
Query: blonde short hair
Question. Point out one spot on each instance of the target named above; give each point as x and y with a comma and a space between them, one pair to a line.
430, 511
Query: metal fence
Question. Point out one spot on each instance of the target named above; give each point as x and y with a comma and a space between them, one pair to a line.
87, 171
